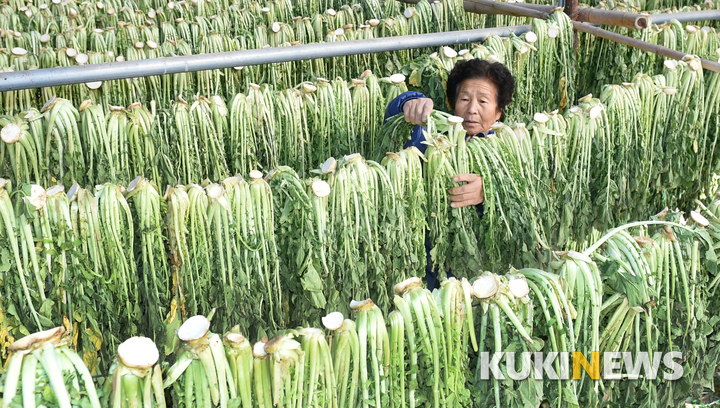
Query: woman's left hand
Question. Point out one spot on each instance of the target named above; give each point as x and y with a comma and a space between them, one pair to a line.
469, 194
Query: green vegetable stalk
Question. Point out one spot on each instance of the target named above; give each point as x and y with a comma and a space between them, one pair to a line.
454, 300
319, 379
454, 244
116, 156
28, 304
425, 343
25, 156
345, 356
241, 147
44, 371
239, 354
209, 127
152, 264
118, 244
404, 170
63, 134
251, 205
299, 231
507, 300
200, 376
144, 145
375, 355
225, 264
262, 380
135, 377
287, 372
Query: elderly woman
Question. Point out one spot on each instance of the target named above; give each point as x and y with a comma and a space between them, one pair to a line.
478, 91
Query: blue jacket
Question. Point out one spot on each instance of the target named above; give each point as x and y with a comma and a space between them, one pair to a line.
416, 138
396, 106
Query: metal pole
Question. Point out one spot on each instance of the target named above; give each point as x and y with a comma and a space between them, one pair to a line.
645, 46
585, 14
618, 18
571, 8
596, 16
685, 17
513, 9
41, 78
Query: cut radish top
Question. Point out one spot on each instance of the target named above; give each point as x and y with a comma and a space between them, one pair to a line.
397, 78
138, 352
541, 118
406, 285
55, 190
519, 287
320, 188
455, 120
39, 338
699, 219
485, 286
333, 321
37, 197
194, 328
362, 305
94, 85
10, 133
329, 165
449, 52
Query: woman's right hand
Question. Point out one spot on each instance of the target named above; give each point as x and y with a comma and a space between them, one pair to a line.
417, 111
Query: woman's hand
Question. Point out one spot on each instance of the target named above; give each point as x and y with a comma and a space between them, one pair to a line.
417, 111
469, 194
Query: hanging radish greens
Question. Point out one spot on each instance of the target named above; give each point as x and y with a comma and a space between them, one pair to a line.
287, 196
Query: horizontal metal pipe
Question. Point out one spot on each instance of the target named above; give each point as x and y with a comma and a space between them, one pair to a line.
645, 46
591, 15
547, 8
585, 14
482, 9
513, 9
41, 78
685, 17
612, 17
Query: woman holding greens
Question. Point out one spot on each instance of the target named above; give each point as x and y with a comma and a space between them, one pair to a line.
478, 91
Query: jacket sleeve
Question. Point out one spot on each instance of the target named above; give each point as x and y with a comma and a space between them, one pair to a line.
480, 209
396, 106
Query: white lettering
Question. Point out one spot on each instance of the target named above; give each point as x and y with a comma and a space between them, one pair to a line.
524, 369
495, 366
676, 368
564, 366
642, 360
611, 364
544, 365
487, 365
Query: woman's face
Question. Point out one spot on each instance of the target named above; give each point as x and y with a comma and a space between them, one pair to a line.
477, 105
